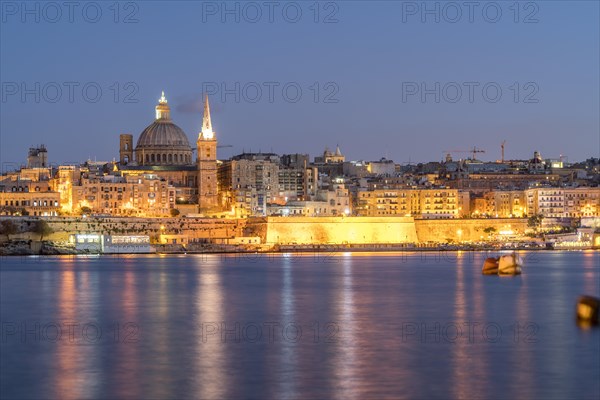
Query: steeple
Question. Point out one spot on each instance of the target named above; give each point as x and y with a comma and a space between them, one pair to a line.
207, 131
162, 109
337, 150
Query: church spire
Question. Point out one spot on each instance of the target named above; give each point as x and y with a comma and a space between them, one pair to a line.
207, 131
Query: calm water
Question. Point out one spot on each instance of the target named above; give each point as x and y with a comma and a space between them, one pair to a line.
358, 326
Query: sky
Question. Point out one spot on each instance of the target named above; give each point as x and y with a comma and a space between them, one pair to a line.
408, 81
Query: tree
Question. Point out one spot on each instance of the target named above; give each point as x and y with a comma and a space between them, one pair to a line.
42, 228
535, 221
489, 230
8, 210
174, 212
86, 210
8, 227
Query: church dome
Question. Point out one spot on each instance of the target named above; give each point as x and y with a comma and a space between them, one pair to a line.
163, 133
163, 142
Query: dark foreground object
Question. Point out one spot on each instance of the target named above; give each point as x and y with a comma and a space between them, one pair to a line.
587, 310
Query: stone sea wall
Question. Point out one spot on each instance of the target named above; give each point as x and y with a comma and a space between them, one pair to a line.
336, 230
458, 230
286, 230
209, 229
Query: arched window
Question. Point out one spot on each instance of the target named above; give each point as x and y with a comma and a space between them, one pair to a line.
152, 158
164, 158
180, 158
147, 158
170, 158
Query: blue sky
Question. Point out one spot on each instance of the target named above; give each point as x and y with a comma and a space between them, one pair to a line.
357, 75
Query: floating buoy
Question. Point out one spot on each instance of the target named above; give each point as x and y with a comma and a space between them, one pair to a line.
587, 310
510, 264
490, 266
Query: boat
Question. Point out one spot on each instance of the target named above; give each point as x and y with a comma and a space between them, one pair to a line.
510, 264
588, 308
490, 266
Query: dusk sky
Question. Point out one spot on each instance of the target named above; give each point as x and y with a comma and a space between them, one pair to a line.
357, 74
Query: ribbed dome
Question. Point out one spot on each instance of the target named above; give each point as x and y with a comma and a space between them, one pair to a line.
163, 142
163, 133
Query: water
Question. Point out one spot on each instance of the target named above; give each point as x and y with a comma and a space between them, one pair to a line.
416, 326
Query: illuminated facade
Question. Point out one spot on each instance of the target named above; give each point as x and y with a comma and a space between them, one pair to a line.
145, 196
547, 201
501, 204
420, 203
582, 202
249, 182
33, 198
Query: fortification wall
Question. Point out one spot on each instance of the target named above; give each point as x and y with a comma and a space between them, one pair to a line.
458, 230
195, 228
339, 230
288, 230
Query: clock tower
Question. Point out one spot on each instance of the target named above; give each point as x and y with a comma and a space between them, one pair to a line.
207, 164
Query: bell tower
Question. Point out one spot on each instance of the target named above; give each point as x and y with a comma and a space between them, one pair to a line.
207, 164
125, 149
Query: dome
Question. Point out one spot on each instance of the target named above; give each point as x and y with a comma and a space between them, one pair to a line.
163, 133
162, 142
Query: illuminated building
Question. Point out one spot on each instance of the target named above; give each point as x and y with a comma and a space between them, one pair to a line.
501, 204
547, 201
28, 198
144, 196
582, 202
249, 182
420, 203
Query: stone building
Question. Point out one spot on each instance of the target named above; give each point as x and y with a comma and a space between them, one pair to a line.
37, 157
25, 197
249, 182
142, 196
420, 203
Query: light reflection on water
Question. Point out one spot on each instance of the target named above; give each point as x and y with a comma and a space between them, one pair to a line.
354, 311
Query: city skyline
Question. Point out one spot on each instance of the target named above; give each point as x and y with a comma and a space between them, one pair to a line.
376, 94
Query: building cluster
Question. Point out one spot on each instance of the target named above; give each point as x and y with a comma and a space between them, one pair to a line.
161, 176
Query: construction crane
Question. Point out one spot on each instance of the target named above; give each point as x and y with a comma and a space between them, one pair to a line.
473, 151
502, 146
